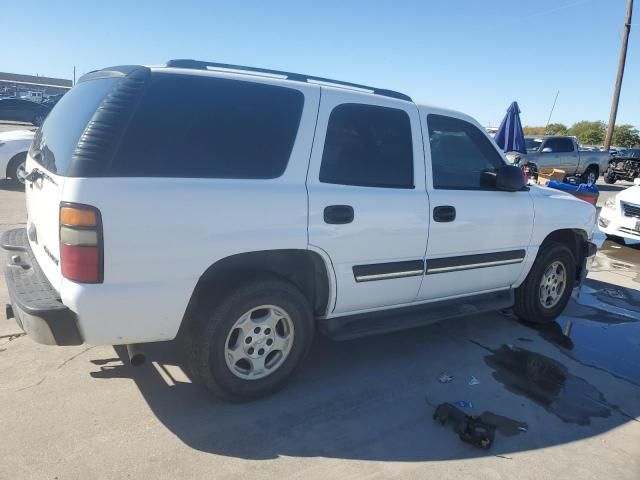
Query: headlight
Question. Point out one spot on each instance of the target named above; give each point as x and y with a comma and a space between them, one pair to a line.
611, 203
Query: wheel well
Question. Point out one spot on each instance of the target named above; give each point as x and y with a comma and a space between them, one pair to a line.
593, 166
303, 268
16, 157
574, 239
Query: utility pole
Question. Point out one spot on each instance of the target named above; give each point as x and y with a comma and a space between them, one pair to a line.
616, 91
74, 76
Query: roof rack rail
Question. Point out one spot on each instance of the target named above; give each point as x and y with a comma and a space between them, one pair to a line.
200, 65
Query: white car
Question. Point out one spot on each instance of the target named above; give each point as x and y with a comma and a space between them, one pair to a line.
13, 154
620, 216
243, 210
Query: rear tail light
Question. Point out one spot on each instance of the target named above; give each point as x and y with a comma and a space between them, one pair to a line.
81, 248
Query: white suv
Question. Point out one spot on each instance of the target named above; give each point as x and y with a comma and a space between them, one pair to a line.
245, 209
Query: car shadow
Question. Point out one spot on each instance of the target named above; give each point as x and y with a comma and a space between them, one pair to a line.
613, 188
8, 185
373, 398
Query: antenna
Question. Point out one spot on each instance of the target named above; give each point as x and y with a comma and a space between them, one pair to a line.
551, 112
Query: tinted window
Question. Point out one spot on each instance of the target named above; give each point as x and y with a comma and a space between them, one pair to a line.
56, 140
559, 145
462, 157
369, 146
196, 126
532, 144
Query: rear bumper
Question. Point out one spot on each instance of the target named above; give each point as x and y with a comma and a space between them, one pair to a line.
35, 304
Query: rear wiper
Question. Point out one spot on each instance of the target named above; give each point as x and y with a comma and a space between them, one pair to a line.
37, 174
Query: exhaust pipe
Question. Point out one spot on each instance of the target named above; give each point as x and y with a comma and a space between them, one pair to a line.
136, 354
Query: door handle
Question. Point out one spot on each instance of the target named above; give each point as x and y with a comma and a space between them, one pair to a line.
444, 213
338, 214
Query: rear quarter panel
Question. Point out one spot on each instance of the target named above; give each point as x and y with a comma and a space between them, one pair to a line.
161, 234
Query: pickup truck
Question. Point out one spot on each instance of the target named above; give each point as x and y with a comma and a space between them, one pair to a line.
563, 153
243, 211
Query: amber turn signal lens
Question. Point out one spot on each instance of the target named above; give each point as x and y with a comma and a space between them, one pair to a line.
77, 217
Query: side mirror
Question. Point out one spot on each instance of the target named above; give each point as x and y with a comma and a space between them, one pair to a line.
547, 150
636, 181
510, 178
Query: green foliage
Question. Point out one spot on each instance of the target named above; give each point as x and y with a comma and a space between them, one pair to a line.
625, 136
556, 129
533, 131
589, 133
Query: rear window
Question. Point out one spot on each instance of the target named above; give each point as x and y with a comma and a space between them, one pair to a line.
55, 142
205, 127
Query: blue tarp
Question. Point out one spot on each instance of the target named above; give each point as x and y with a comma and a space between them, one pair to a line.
510, 137
567, 187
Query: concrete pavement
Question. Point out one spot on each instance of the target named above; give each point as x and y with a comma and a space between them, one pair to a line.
357, 409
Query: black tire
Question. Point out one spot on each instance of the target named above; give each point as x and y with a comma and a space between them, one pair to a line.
13, 167
591, 171
609, 177
213, 321
528, 305
38, 119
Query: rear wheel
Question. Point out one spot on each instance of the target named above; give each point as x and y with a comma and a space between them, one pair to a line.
591, 175
546, 290
15, 169
248, 344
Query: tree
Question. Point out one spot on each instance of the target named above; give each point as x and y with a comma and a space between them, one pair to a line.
625, 136
556, 129
533, 131
589, 133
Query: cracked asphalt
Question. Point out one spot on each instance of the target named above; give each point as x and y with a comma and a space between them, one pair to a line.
566, 399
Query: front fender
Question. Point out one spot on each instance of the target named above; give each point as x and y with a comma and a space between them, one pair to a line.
557, 210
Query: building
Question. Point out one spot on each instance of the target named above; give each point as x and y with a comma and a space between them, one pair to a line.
17, 85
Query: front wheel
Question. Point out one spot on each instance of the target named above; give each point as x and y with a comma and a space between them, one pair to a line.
546, 290
38, 119
247, 344
609, 177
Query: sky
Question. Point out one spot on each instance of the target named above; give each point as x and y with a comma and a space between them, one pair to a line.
468, 55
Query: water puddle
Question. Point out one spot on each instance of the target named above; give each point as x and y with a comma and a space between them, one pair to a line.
505, 425
548, 383
600, 329
619, 257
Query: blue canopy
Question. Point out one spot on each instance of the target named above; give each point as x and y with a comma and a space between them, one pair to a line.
510, 136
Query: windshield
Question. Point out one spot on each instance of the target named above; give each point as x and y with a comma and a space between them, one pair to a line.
533, 144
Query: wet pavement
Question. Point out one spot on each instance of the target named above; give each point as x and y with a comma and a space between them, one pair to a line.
565, 398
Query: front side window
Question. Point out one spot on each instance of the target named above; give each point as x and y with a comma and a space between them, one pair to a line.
462, 157
368, 145
559, 145
533, 144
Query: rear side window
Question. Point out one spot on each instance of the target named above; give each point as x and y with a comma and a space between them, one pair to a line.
204, 127
367, 145
55, 142
462, 157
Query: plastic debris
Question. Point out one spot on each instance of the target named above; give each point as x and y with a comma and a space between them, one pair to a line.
522, 428
445, 377
470, 429
474, 381
463, 404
